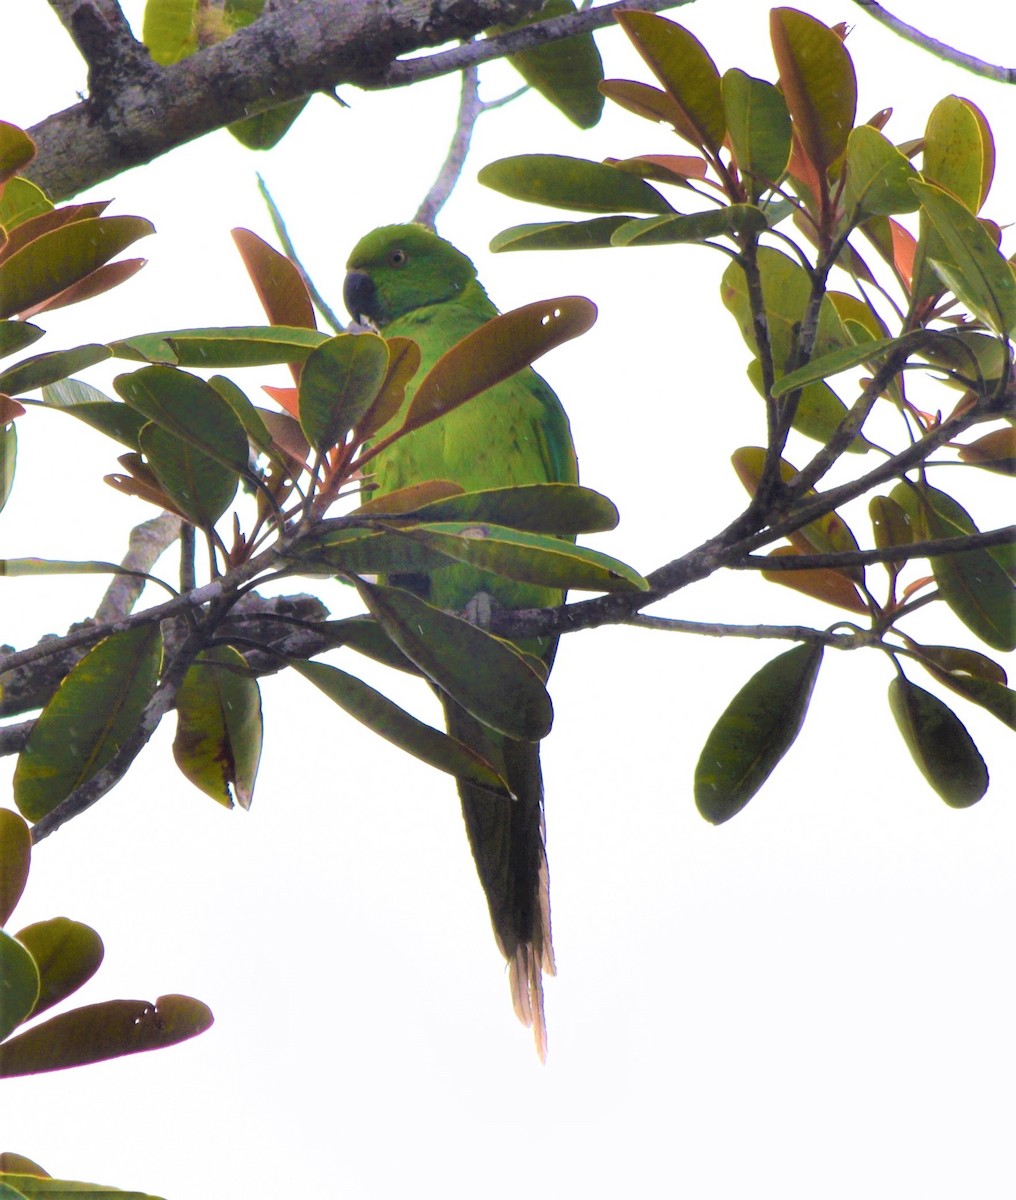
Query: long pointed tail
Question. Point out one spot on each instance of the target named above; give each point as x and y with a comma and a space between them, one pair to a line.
508, 843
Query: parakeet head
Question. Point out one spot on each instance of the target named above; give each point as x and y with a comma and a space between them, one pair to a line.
399, 268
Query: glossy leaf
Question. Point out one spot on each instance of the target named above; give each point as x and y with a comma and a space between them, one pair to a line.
29, 1187
644, 100
200, 487
189, 410
102, 279
755, 731
338, 384
565, 72
16, 150
974, 356
731, 220
16, 335
266, 129
214, 349
878, 177
973, 676
219, 729
409, 499
574, 183
364, 635
890, 526
15, 861
495, 352
67, 954
8, 461
676, 169
169, 30
528, 557
558, 235
277, 281
939, 744
90, 715
63, 256
682, 64
402, 729
819, 410
818, 82
995, 451
561, 508
19, 984
366, 552
837, 361
975, 272
760, 130
24, 231
244, 411
44, 369
403, 363
95, 408
959, 152
824, 584
96, 1032
482, 673
20, 201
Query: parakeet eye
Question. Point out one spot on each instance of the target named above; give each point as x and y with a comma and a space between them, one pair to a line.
397, 258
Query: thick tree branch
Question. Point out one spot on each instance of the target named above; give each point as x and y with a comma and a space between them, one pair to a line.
140, 111
947, 53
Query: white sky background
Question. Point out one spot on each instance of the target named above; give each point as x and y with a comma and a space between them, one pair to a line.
813, 1000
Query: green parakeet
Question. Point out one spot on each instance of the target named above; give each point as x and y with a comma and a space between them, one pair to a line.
407, 281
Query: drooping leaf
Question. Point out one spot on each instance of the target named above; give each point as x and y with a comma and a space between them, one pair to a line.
16, 150
760, 130
189, 410
838, 361
19, 984
90, 715
338, 385
111, 417
824, 584
528, 557
44, 369
27, 1186
244, 411
890, 526
482, 673
8, 461
574, 183
565, 72
939, 744
199, 486
972, 675
216, 349
277, 281
266, 129
644, 100
67, 954
15, 861
27, 230
409, 499
995, 451
402, 729
819, 410
20, 201
731, 220
357, 551
16, 335
755, 731
62, 256
682, 64
973, 270
219, 729
96, 1032
558, 235
878, 177
495, 352
818, 82
561, 508
403, 363
364, 635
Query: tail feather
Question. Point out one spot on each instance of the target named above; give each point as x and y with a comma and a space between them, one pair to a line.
507, 838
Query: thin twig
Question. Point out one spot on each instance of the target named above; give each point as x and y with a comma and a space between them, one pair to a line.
933, 548
145, 545
470, 107
789, 633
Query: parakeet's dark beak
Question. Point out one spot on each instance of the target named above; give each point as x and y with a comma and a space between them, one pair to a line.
360, 297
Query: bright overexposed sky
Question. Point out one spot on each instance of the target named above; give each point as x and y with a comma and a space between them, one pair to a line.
814, 1000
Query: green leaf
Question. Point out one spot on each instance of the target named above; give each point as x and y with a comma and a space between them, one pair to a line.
169, 30
62, 256
19, 984
878, 177
400, 728
67, 954
645, 101
574, 183
20, 567
338, 384
959, 152
973, 676
244, 410
8, 461
760, 130
30, 1187
561, 508
96, 1032
836, 362
266, 129
15, 861
818, 83
681, 63
44, 369
528, 557
495, 352
565, 72
558, 235
111, 417
214, 349
755, 731
995, 451
22, 200
16, 150
188, 409
729, 221
94, 710
939, 744
219, 728
200, 487
819, 410
358, 551
484, 674
975, 272
16, 335
890, 526
364, 635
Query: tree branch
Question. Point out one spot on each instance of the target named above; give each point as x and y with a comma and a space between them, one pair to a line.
470, 108
933, 46
933, 548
